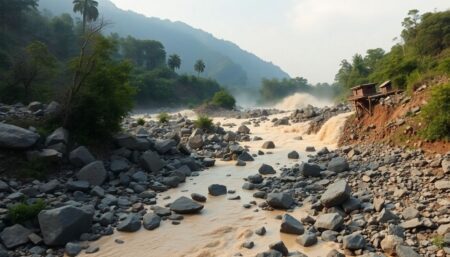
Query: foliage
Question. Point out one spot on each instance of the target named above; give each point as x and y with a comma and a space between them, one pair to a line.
163, 117
438, 241
223, 99
140, 122
199, 66
88, 9
174, 62
22, 212
147, 54
203, 122
106, 96
436, 114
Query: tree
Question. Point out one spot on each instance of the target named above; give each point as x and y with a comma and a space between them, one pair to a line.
199, 67
35, 64
223, 99
88, 9
148, 54
174, 62
436, 114
11, 12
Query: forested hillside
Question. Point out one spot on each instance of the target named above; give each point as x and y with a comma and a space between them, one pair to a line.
227, 63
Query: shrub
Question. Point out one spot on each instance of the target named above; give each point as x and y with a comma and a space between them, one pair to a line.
203, 122
163, 117
141, 122
436, 114
438, 241
36, 168
23, 211
224, 100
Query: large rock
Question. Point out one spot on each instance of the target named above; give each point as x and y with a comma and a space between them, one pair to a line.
94, 173
131, 223
280, 200
280, 247
442, 184
268, 145
60, 135
307, 239
266, 169
329, 221
243, 129
196, 141
216, 190
64, 224
310, 170
336, 194
184, 205
163, 146
53, 109
35, 106
245, 156
13, 137
405, 251
338, 164
151, 162
48, 155
132, 142
354, 241
81, 156
150, 221
290, 225
293, 155
14, 236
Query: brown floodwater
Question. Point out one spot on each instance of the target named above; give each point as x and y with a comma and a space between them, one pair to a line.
223, 225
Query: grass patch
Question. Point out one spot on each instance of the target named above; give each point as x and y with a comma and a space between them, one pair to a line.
23, 211
436, 114
203, 122
141, 122
36, 168
163, 117
438, 241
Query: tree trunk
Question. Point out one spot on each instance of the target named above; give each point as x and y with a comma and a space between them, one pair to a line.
84, 16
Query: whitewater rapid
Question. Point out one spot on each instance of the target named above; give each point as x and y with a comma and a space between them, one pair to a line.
224, 225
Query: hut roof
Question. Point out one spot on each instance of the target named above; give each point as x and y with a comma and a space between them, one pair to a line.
364, 85
385, 84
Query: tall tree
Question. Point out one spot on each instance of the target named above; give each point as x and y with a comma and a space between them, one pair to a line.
174, 62
199, 67
11, 12
88, 9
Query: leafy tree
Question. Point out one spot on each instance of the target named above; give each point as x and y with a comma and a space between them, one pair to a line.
224, 100
436, 114
174, 62
88, 9
199, 67
35, 64
148, 54
12, 12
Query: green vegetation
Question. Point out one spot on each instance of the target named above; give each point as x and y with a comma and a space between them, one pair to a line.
174, 62
88, 9
163, 117
423, 52
438, 241
35, 168
199, 67
224, 100
22, 212
141, 122
436, 114
203, 122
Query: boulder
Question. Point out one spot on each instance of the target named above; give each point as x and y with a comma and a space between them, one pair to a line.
354, 241
150, 221
441, 184
196, 141
290, 225
198, 197
386, 215
338, 164
389, 243
13, 137
336, 194
310, 170
405, 251
243, 129
163, 146
15, 235
64, 224
131, 223
132, 142
307, 239
53, 109
81, 156
151, 162
60, 135
293, 155
268, 145
216, 190
266, 169
279, 247
72, 249
335, 253
94, 173
329, 221
184, 205
245, 156
35, 106
48, 155
270, 253
280, 200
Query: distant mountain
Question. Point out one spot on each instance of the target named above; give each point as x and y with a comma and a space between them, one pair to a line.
225, 61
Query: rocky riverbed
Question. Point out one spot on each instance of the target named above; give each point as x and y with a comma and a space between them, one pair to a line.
249, 186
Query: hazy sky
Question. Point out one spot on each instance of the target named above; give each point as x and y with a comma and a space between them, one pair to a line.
305, 38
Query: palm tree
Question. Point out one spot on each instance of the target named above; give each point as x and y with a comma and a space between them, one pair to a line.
174, 62
199, 67
88, 8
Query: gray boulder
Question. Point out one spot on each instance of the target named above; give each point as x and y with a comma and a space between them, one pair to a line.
14, 236
290, 225
307, 239
405, 251
338, 164
198, 197
336, 194
216, 190
13, 137
72, 249
49, 155
243, 129
131, 223
35, 106
53, 108
354, 241
293, 155
268, 145
329, 221
266, 169
81, 156
184, 205
245, 156
60, 135
94, 173
132, 142
195, 141
310, 170
151, 162
280, 200
163, 146
150, 221
64, 224
280, 247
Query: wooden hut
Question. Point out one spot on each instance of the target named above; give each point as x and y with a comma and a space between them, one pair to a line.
386, 87
364, 90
